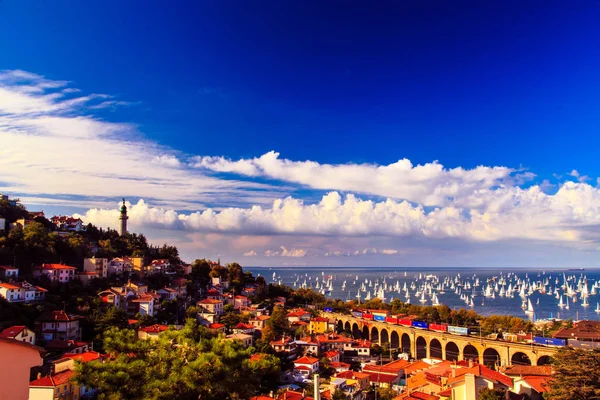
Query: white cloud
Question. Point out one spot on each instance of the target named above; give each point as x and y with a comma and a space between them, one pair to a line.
509, 213
429, 184
285, 252
250, 253
52, 144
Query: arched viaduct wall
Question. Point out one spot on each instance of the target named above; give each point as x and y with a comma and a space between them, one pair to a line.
425, 343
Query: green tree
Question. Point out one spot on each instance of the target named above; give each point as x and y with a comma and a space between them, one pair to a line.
491, 394
278, 320
178, 365
576, 375
338, 395
385, 393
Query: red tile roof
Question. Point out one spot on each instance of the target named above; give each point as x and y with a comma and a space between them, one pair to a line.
382, 378
210, 301
9, 286
55, 266
242, 325
59, 316
216, 326
53, 380
306, 360
156, 328
8, 267
319, 319
11, 332
538, 383
83, 357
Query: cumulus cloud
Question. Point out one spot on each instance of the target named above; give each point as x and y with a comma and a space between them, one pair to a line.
510, 213
285, 252
250, 253
53, 144
429, 184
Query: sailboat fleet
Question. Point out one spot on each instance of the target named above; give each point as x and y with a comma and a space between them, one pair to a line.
567, 289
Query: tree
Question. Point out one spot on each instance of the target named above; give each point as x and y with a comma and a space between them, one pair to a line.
338, 395
576, 375
385, 393
278, 320
178, 365
492, 394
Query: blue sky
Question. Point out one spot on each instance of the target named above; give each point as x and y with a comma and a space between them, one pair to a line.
494, 84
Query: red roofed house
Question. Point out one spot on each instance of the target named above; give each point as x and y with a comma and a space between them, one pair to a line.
67, 363
530, 380
59, 385
466, 382
306, 366
19, 332
284, 344
361, 377
18, 359
259, 322
143, 304
66, 223
217, 327
298, 315
240, 302
333, 356
21, 292
8, 272
97, 265
212, 306
167, 293
243, 328
59, 325
152, 331
55, 272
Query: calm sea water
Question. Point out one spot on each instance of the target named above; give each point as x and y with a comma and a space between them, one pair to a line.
545, 306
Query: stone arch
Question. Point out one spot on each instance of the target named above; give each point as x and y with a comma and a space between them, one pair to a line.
356, 332
384, 336
452, 351
520, 358
394, 340
405, 343
346, 327
435, 349
421, 346
374, 335
544, 360
491, 357
366, 334
470, 352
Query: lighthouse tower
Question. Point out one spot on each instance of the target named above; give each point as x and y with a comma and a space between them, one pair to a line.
123, 218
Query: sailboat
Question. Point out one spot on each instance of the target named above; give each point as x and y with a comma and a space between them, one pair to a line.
585, 302
567, 306
597, 308
423, 299
529, 310
560, 303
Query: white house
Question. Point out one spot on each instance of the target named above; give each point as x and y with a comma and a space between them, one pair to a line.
19, 332
59, 325
98, 265
213, 306
306, 366
12, 293
55, 272
8, 272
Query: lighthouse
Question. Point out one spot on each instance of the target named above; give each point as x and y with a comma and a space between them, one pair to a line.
123, 218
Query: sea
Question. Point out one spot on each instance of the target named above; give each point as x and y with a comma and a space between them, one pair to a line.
466, 293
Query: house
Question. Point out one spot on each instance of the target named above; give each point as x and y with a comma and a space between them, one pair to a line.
59, 325
332, 341
142, 304
67, 346
21, 292
361, 377
114, 297
7, 272
298, 315
362, 348
152, 331
214, 294
119, 265
86, 276
167, 293
55, 272
220, 328
318, 325
306, 366
530, 380
212, 306
467, 382
240, 302
582, 330
309, 345
67, 363
180, 285
59, 385
259, 322
247, 329
19, 357
284, 344
12, 293
332, 356
19, 332
97, 265
339, 366
137, 287
66, 223
159, 266
246, 340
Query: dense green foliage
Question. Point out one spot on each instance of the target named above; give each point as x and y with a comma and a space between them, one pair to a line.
185, 364
576, 375
491, 394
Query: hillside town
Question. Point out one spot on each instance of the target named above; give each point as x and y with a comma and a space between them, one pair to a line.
314, 355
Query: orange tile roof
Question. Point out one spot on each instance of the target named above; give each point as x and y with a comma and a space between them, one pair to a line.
9, 286
483, 371
55, 266
53, 380
306, 360
538, 383
12, 331
210, 301
156, 328
416, 366
83, 357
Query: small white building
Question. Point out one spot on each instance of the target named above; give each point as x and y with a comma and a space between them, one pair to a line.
55, 272
19, 332
7, 272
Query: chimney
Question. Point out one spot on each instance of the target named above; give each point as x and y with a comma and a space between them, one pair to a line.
470, 363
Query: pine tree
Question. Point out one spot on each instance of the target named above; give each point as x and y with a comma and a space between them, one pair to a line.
576, 375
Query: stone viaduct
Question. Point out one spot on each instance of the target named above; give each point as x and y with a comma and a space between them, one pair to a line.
421, 343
